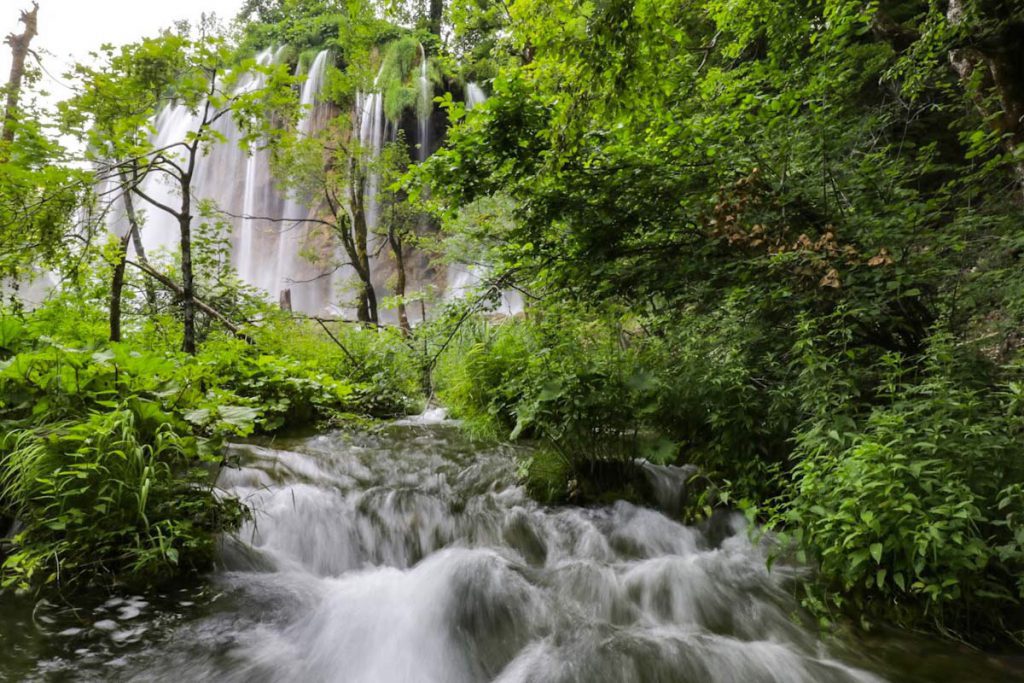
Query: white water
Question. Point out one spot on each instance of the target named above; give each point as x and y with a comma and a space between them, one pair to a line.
426, 96
309, 281
266, 253
475, 96
273, 248
411, 557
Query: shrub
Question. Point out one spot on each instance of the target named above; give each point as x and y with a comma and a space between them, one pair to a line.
124, 495
911, 506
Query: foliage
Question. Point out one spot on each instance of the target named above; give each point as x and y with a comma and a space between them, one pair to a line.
801, 206
116, 496
110, 450
600, 389
912, 504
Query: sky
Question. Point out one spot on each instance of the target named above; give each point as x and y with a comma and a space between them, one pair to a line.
70, 29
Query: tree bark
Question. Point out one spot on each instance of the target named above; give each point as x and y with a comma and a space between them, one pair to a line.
117, 281
359, 253
19, 51
1000, 58
188, 291
188, 304
117, 286
395, 240
436, 16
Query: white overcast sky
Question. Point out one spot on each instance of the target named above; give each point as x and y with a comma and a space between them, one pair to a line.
70, 29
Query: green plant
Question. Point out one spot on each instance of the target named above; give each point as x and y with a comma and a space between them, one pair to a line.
910, 507
119, 496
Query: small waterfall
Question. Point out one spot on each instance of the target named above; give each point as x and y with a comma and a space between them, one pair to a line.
237, 182
372, 131
463, 279
410, 554
247, 256
475, 96
425, 106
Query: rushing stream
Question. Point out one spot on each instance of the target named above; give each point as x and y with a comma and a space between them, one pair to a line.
410, 555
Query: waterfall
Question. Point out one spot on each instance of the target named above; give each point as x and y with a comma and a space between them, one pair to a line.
267, 253
310, 287
372, 130
237, 182
425, 106
246, 254
475, 96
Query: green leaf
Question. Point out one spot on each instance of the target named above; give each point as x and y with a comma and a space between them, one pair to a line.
876, 552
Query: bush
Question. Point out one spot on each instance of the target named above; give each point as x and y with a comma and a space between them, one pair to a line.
600, 391
118, 496
912, 506
108, 452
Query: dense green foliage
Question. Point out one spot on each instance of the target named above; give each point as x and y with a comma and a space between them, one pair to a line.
110, 450
781, 242
808, 217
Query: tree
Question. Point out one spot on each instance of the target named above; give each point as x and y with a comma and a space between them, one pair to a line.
20, 47
814, 201
398, 217
327, 171
115, 113
40, 192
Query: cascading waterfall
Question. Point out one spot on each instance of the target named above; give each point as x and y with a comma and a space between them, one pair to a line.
267, 252
310, 287
425, 105
247, 261
410, 554
373, 129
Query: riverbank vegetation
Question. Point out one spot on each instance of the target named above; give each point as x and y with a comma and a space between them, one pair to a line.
782, 243
779, 242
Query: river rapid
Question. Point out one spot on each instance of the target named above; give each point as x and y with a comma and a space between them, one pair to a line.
409, 554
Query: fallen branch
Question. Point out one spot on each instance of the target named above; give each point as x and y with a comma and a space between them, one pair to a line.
199, 303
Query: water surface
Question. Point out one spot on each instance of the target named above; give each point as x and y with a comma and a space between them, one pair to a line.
411, 555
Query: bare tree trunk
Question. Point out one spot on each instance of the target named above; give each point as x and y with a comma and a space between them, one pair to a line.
395, 240
188, 290
140, 250
19, 51
188, 304
367, 309
117, 281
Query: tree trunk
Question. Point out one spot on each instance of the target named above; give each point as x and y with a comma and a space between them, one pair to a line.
117, 286
436, 16
19, 51
118, 280
1001, 57
396, 248
134, 233
188, 304
367, 309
